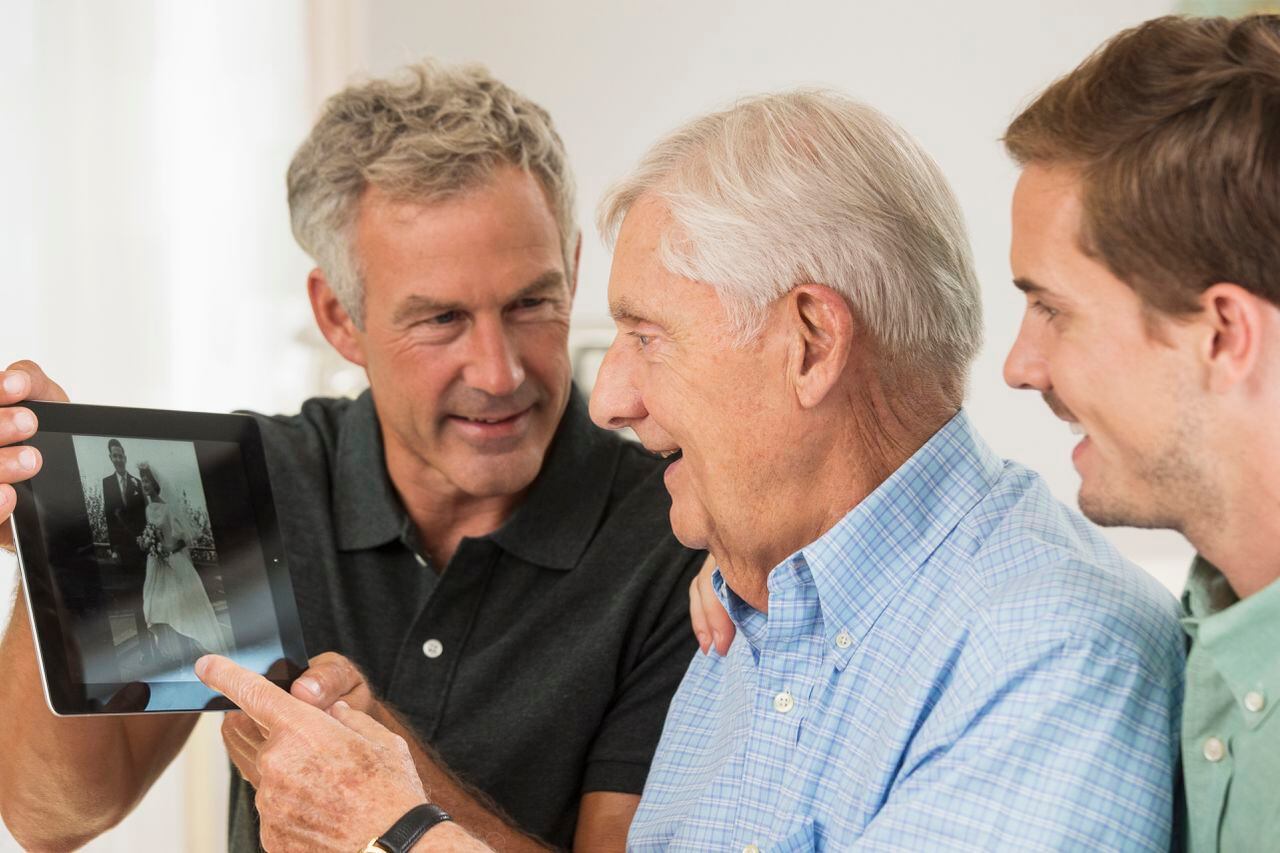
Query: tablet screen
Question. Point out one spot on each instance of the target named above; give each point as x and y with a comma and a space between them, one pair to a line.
155, 542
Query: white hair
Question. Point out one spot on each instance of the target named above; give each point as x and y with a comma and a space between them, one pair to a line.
813, 187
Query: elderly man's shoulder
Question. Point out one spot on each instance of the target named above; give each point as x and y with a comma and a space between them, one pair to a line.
1040, 575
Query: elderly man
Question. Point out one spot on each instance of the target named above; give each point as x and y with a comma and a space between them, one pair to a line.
1146, 237
484, 559
932, 652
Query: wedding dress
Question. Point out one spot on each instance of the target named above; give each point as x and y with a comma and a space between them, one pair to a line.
173, 595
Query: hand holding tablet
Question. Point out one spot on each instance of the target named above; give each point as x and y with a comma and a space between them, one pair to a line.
146, 538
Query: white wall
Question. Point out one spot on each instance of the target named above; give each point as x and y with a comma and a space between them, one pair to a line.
147, 256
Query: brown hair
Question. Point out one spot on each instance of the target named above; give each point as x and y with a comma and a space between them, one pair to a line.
1174, 126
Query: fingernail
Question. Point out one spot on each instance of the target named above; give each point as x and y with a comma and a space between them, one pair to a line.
27, 459
341, 705
6, 493
24, 421
715, 635
311, 686
201, 666
14, 383
702, 641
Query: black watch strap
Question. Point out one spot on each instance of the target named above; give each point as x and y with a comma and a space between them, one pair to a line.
405, 832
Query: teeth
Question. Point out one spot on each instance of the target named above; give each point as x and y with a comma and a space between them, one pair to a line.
1076, 429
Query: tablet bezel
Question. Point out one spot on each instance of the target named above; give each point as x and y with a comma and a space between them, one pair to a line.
68, 697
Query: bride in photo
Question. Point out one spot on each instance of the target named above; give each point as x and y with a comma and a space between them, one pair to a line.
174, 601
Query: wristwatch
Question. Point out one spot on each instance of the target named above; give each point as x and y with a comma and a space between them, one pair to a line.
405, 832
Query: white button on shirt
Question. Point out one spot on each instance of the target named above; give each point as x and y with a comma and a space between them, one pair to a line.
1254, 701
782, 703
843, 640
433, 648
1214, 749
751, 848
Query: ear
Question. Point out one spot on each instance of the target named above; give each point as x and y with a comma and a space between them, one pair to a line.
1230, 348
577, 265
335, 323
820, 330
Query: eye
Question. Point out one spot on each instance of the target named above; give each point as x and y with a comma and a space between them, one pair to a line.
443, 319
643, 340
530, 302
1040, 308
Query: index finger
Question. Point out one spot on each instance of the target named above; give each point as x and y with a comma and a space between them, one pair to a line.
266, 704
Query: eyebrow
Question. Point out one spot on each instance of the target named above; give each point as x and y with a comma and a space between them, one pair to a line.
625, 310
418, 306
1026, 285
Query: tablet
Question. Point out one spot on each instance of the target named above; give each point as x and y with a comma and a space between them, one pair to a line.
148, 539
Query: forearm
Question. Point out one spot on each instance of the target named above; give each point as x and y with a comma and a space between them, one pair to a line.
487, 828
64, 781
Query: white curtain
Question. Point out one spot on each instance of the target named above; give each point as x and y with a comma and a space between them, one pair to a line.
145, 252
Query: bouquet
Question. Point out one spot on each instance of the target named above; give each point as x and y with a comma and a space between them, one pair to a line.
152, 542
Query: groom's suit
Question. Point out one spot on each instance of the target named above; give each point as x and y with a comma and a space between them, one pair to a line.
125, 508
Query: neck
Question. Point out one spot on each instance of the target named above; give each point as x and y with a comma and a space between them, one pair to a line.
442, 513
842, 456
1240, 538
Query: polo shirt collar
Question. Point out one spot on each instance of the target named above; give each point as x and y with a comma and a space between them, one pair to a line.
369, 513
559, 516
1239, 636
870, 555
552, 526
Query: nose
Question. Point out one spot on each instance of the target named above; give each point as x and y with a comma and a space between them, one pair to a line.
1025, 367
494, 365
615, 400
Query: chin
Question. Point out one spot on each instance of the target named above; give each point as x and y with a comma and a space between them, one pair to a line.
691, 533
491, 481
1106, 509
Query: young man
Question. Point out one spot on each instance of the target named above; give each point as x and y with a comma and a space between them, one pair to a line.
1146, 237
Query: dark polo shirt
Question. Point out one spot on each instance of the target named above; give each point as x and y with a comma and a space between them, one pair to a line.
540, 663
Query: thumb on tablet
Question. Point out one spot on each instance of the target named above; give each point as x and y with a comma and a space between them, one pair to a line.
267, 705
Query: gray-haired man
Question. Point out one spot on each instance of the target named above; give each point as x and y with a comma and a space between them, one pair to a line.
479, 556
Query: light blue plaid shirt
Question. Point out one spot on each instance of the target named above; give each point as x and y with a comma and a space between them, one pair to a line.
961, 663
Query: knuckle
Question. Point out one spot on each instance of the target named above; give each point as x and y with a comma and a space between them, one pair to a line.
270, 763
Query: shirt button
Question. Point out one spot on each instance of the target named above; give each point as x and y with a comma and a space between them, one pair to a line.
843, 640
1254, 701
751, 848
1214, 749
782, 703
433, 648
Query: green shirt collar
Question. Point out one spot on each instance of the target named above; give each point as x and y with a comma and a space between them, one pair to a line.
1242, 638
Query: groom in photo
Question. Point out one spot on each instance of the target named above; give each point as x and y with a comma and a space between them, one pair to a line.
125, 508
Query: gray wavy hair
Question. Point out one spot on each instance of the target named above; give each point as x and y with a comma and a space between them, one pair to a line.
430, 134
812, 187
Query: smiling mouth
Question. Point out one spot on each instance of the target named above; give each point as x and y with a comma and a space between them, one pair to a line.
490, 420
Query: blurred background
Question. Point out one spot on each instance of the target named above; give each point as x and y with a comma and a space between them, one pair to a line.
144, 232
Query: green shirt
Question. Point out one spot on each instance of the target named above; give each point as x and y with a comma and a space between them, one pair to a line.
1230, 735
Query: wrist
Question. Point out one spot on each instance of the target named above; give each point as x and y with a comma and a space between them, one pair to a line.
447, 837
405, 834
